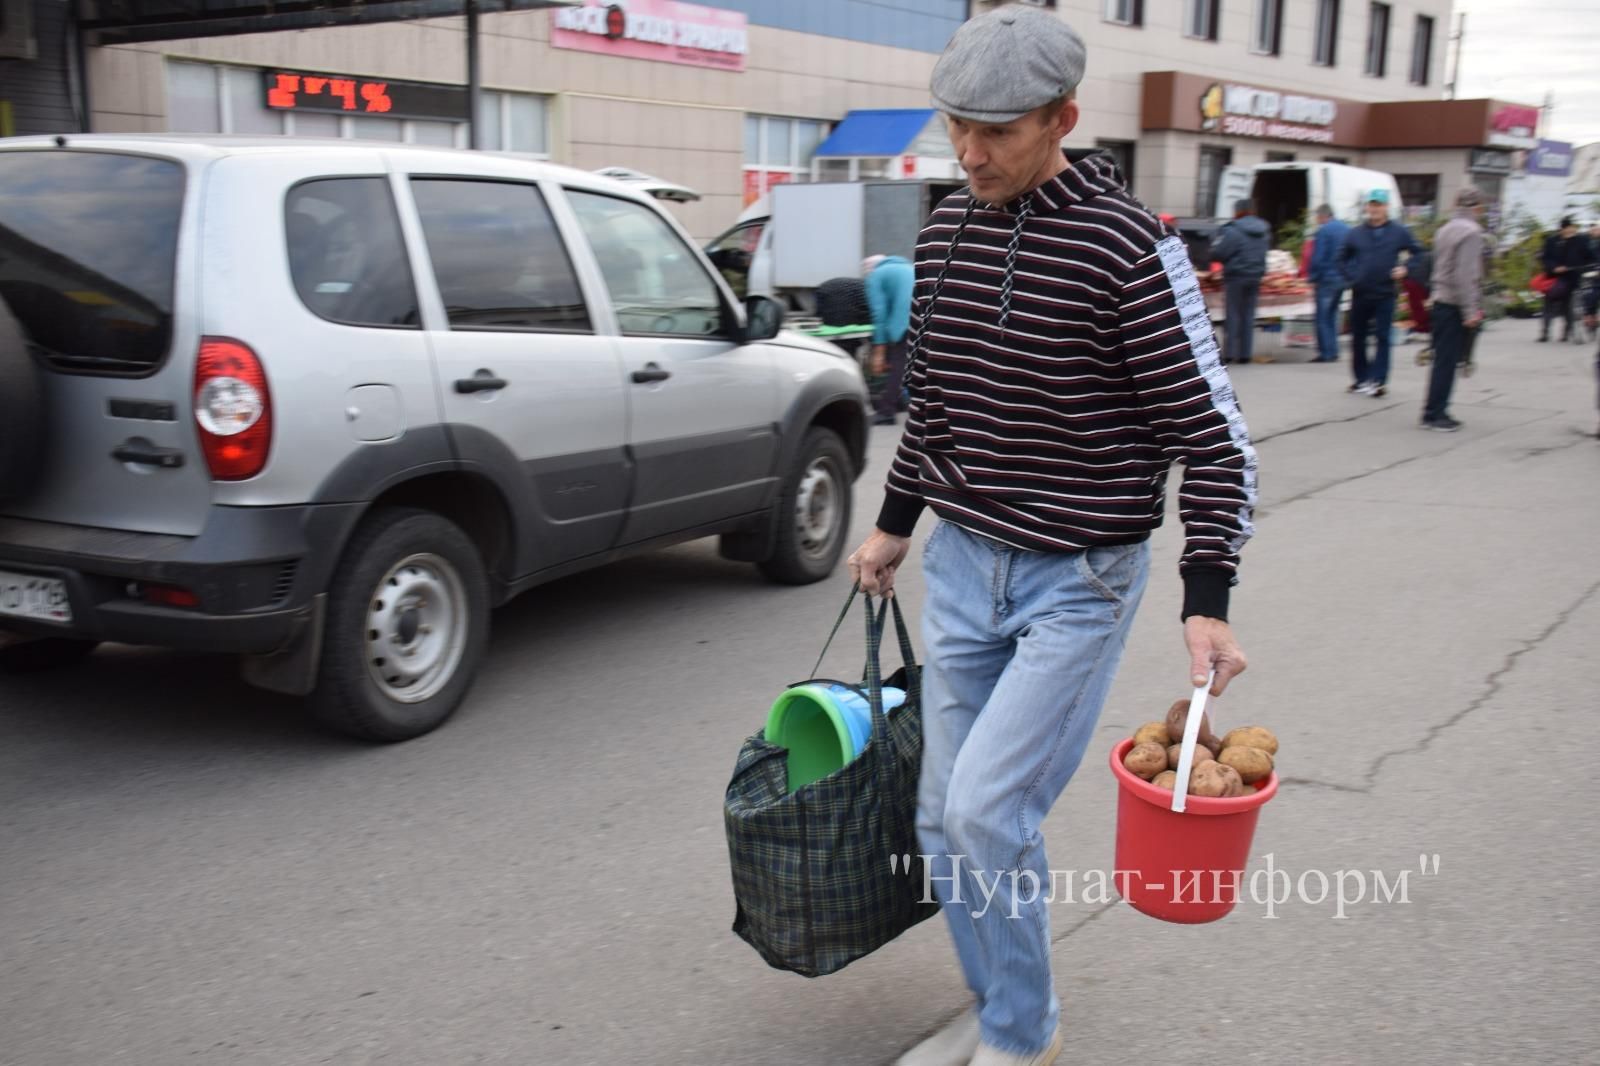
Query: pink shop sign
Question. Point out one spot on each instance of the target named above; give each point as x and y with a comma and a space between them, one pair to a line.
663, 30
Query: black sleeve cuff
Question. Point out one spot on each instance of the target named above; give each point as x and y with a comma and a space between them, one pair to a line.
899, 513
1205, 592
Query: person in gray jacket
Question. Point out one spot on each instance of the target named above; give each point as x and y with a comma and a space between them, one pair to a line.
1457, 302
1241, 247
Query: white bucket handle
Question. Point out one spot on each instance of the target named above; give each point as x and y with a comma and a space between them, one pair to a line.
1191, 737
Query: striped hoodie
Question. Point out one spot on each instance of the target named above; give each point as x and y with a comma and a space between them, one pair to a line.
1062, 360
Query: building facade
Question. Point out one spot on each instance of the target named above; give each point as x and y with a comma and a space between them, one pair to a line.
733, 98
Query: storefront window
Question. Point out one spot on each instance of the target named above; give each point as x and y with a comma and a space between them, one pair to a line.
778, 149
1419, 193
1121, 153
1213, 161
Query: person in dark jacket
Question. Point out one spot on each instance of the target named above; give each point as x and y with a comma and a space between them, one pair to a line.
1241, 247
1566, 257
1329, 281
1370, 260
1591, 318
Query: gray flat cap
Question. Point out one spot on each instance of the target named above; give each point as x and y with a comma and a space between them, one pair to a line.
1004, 64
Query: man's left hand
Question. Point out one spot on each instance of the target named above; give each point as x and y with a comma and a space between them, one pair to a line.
1397, 273
880, 360
1212, 647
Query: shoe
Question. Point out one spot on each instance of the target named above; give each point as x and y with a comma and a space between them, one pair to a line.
988, 1056
1379, 390
1424, 356
1326, 359
954, 1045
1359, 386
1544, 340
1442, 424
884, 420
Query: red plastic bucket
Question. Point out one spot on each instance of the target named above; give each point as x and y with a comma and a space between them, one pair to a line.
1187, 867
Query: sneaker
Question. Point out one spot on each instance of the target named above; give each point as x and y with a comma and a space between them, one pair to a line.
884, 420
1424, 356
954, 1045
1379, 390
1363, 387
1442, 424
988, 1056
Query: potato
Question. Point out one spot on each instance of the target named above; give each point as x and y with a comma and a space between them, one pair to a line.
1251, 736
1201, 754
1177, 714
1167, 779
1151, 733
1145, 760
1214, 780
1253, 764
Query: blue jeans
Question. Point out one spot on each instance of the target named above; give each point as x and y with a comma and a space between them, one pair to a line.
1328, 297
1371, 314
1022, 648
1241, 298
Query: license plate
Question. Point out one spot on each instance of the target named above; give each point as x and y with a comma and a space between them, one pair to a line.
42, 598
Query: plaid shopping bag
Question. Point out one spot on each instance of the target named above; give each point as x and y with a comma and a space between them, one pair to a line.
830, 872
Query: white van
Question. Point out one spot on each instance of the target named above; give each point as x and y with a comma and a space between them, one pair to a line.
1285, 191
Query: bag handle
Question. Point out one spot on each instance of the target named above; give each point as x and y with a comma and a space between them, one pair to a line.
854, 591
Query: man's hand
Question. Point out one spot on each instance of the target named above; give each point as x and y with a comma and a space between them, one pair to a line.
1475, 320
1212, 647
874, 563
1561, 270
880, 360
1397, 273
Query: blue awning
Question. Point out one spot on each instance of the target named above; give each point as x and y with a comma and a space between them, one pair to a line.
876, 133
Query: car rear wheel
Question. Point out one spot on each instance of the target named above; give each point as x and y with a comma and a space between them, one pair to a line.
813, 511
407, 625
21, 411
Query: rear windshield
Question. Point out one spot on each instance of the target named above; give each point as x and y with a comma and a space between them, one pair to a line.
88, 243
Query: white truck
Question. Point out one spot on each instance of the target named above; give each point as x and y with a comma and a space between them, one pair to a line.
801, 235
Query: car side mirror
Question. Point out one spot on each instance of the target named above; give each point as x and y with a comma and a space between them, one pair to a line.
763, 319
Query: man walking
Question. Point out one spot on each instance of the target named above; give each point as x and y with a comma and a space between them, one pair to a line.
1370, 262
1061, 359
1241, 247
1457, 302
1328, 279
889, 280
1566, 257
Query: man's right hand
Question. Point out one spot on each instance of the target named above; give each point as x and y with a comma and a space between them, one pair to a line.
874, 563
879, 363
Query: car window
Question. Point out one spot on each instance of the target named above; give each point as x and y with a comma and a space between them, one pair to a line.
346, 254
744, 238
657, 285
88, 252
498, 258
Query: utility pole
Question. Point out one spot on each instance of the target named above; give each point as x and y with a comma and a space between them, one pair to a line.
1458, 39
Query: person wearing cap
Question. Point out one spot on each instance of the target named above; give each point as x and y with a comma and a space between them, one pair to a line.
1328, 279
1566, 257
1370, 260
1457, 302
1061, 359
889, 280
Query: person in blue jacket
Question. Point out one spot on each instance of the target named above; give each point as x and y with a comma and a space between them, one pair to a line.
889, 282
1370, 262
1326, 275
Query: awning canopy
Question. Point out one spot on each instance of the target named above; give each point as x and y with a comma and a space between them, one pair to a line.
876, 133
118, 21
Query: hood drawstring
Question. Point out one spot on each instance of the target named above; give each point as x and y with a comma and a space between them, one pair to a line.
1023, 213
938, 287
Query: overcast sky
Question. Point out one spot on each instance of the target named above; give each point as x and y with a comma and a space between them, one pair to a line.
1519, 50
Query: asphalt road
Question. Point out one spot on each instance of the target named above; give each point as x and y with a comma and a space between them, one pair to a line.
189, 874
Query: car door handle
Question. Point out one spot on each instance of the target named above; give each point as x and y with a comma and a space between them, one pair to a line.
651, 373
483, 381
148, 455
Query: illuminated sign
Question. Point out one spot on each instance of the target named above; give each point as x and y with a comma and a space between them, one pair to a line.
1245, 111
663, 30
336, 94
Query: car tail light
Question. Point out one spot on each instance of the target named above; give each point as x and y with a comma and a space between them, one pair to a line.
233, 409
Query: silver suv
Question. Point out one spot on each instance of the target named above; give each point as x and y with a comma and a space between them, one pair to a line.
324, 405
